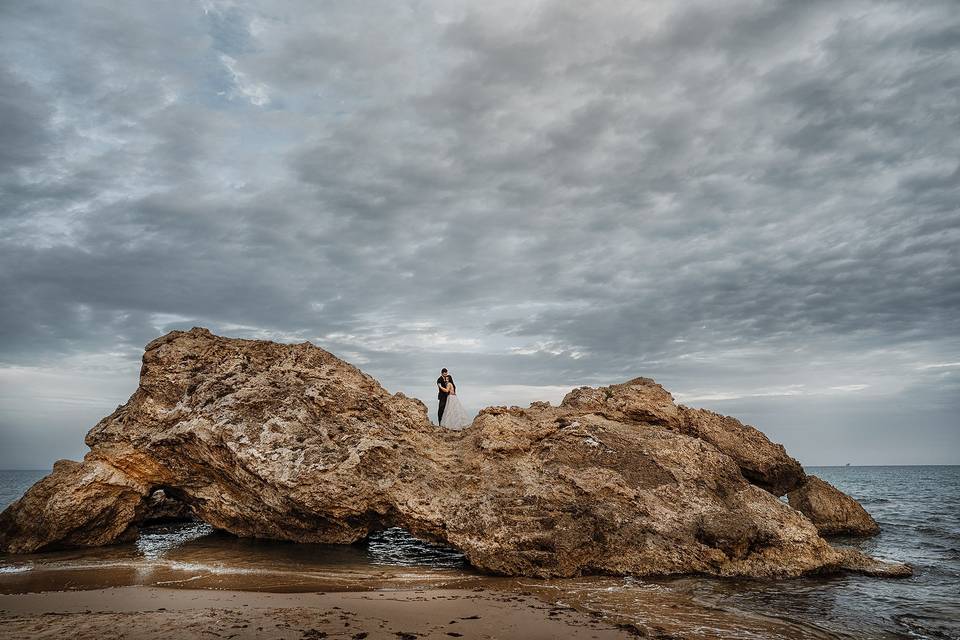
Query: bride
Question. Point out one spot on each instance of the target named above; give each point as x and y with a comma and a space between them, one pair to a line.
454, 415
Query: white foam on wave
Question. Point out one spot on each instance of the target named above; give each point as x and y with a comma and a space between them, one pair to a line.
191, 578
23, 568
209, 568
98, 565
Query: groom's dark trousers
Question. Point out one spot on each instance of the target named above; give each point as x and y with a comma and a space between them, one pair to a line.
443, 404
442, 397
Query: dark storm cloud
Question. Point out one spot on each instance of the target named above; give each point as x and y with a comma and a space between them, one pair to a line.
756, 205
25, 116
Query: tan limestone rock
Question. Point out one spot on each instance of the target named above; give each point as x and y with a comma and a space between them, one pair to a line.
286, 441
832, 511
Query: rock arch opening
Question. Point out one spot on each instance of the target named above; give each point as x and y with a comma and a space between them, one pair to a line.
164, 505
396, 546
166, 520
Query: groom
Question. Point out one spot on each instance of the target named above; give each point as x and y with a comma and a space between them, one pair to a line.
442, 382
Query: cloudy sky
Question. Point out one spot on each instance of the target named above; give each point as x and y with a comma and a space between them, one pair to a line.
754, 203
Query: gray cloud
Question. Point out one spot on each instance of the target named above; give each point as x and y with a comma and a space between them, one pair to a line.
755, 205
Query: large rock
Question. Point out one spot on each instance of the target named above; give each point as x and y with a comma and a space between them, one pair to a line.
288, 442
642, 400
639, 400
833, 512
86, 504
761, 461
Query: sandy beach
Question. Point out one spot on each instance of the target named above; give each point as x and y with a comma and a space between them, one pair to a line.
155, 613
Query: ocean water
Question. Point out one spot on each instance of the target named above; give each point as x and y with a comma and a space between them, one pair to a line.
918, 509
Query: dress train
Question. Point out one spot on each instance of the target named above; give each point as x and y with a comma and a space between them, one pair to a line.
454, 415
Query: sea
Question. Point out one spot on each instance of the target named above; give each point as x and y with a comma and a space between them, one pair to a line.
918, 508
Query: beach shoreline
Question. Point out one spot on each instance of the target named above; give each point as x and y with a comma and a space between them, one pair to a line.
913, 504
146, 612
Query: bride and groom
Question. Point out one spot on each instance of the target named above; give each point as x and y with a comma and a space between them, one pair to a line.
451, 413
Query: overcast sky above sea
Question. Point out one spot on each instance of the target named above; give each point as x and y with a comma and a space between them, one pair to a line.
755, 203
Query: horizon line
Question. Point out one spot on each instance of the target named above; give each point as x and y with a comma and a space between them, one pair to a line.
805, 466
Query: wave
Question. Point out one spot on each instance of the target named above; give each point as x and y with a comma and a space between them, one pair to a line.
17, 568
938, 532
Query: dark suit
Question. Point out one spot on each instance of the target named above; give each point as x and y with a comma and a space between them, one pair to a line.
442, 395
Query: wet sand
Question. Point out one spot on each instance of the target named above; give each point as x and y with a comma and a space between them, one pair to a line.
157, 613
188, 581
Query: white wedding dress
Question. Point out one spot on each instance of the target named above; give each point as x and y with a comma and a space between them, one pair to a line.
454, 415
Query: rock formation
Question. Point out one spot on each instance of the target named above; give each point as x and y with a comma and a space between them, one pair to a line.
288, 442
643, 401
832, 512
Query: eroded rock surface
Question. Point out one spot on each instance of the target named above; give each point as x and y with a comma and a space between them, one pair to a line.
833, 512
288, 442
643, 401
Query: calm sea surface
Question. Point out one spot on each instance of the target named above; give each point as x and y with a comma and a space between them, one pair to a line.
918, 509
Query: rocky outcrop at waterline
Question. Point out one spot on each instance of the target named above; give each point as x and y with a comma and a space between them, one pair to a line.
286, 441
644, 402
832, 512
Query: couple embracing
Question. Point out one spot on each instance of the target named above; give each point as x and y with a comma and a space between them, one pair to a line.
451, 413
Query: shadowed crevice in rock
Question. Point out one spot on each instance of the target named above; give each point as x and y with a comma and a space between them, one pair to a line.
288, 442
165, 505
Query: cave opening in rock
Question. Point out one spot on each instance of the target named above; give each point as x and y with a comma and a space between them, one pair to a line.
389, 541
167, 521
396, 546
165, 505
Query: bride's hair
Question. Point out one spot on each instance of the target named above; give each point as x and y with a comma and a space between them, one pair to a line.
444, 370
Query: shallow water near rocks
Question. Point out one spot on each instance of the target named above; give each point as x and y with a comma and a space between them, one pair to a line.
918, 509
